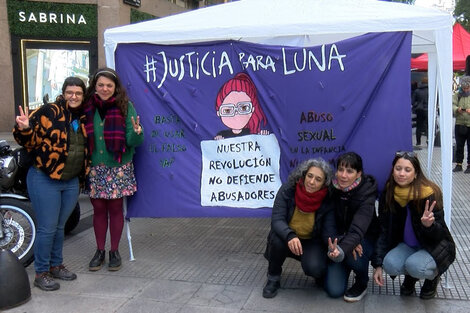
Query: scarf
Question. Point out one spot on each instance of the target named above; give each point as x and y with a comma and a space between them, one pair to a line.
350, 187
464, 94
306, 201
403, 195
114, 125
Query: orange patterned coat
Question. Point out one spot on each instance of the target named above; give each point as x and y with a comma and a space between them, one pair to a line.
47, 138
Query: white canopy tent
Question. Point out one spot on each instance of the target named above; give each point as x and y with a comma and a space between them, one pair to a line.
308, 23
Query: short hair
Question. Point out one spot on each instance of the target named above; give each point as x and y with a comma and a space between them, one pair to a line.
73, 81
301, 170
350, 159
465, 81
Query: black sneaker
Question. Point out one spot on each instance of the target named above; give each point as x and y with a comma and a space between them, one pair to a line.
355, 293
429, 289
270, 290
45, 282
320, 282
408, 286
457, 168
467, 171
61, 272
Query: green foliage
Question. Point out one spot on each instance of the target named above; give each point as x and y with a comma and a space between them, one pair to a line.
139, 16
462, 13
50, 19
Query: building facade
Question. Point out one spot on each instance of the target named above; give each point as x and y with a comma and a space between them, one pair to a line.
44, 41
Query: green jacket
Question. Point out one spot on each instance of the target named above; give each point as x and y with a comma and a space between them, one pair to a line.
102, 156
464, 103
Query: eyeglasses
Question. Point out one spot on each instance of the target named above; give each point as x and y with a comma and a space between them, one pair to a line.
71, 93
241, 108
409, 154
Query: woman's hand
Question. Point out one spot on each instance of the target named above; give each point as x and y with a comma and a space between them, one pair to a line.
22, 120
378, 277
357, 251
136, 125
428, 216
295, 246
333, 251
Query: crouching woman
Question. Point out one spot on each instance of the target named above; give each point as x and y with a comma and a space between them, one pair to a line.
301, 216
414, 238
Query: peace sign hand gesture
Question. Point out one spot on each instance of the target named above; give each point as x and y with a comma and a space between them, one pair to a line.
22, 120
136, 125
428, 216
333, 251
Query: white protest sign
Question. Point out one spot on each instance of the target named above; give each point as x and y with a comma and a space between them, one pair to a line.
240, 172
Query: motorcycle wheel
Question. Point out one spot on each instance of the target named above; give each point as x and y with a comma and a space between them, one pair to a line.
73, 219
19, 229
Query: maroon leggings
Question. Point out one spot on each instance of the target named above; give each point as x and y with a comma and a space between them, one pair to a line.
102, 208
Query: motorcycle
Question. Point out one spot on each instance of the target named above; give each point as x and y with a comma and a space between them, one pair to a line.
17, 220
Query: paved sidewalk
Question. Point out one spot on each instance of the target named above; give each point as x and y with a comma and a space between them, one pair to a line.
216, 265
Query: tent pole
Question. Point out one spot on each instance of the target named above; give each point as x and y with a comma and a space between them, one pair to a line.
128, 231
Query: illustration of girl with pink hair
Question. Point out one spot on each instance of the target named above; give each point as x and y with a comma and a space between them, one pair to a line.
238, 107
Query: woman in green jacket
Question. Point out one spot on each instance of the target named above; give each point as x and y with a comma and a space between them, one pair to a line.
461, 109
113, 130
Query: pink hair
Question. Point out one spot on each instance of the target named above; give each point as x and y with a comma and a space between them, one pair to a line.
242, 82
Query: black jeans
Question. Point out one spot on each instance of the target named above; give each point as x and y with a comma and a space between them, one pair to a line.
460, 139
421, 125
313, 259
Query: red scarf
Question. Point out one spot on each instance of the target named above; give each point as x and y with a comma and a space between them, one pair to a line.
306, 201
114, 126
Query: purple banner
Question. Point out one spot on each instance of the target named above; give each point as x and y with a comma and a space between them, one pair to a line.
225, 122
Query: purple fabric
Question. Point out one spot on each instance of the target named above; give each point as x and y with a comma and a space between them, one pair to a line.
409, 236
321, 101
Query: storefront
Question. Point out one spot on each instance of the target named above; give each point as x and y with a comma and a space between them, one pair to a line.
43, 42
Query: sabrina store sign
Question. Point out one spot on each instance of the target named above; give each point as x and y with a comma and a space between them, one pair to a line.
51, 17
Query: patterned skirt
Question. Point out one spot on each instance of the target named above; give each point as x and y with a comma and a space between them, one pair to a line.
112, 182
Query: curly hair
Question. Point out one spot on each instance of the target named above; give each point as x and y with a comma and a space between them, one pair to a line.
119, 92
301, 170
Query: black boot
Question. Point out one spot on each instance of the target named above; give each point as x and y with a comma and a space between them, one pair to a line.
97, 261
408, 286
114, 261
270, 290
429, 289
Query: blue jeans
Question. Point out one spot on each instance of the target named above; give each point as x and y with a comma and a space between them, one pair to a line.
53, 202
404, 260
337, 274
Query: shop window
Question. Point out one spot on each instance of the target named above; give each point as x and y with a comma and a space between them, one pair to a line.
44, 65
